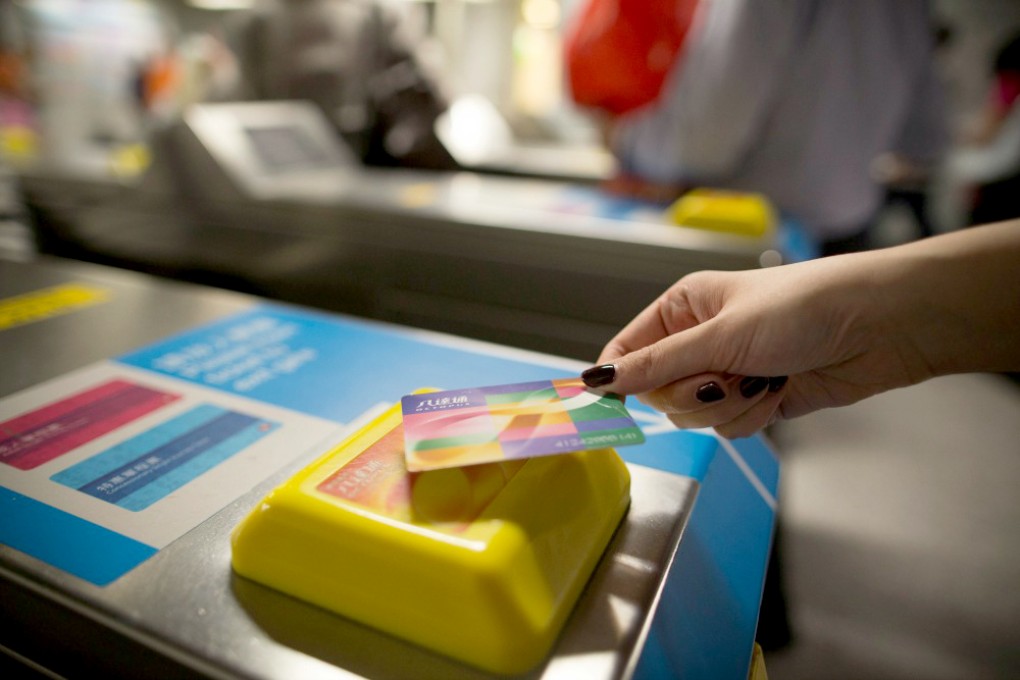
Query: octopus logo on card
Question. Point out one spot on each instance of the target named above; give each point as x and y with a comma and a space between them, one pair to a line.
508, 422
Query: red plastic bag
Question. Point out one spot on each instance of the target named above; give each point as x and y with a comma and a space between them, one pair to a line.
618, 52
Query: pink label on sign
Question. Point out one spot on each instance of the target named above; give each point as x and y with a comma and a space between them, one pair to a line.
39, 436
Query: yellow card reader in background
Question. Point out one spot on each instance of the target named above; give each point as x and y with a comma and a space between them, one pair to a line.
481, 563
745, 214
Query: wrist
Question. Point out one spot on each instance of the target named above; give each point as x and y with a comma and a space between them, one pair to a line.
957, 296
883, 300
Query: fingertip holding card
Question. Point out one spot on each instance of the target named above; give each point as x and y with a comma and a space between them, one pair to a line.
453, 428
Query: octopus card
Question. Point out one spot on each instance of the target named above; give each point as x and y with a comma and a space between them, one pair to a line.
454, 428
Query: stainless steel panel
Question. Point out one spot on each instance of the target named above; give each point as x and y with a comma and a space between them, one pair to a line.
183, 612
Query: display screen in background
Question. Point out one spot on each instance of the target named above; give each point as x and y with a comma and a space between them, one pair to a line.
285, 147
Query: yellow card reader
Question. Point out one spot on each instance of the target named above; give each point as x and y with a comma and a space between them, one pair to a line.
480, 563
745, 214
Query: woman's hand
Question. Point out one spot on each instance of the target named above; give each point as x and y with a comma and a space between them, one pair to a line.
715, 349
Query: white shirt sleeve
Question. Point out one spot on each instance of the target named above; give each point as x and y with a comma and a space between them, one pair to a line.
715, 99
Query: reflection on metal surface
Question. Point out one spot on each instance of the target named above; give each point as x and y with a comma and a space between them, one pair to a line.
635, 563
622, 595
603, 635
186, 604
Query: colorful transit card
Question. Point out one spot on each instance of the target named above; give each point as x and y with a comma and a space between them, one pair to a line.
505, 422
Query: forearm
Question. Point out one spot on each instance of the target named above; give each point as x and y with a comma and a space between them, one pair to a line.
955, 299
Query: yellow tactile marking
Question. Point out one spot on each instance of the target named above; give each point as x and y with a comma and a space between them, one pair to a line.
49, 302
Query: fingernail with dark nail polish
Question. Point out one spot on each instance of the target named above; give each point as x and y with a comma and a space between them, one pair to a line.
777, 383
597, 376
752, 386
709, 392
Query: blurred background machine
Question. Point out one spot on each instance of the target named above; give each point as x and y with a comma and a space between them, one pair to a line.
262, 197
131, 148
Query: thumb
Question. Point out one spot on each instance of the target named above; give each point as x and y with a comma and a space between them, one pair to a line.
665, 361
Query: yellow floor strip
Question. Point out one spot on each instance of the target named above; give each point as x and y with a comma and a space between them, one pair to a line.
49, 302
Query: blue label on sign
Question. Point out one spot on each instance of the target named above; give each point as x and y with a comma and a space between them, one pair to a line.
325, 366
140, 471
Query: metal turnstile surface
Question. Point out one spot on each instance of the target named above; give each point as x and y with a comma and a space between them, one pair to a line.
183, 612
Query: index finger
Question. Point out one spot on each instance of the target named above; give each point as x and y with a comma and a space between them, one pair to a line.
659, 363
647, 328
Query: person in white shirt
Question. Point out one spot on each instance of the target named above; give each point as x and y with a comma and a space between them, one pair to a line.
794, 99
